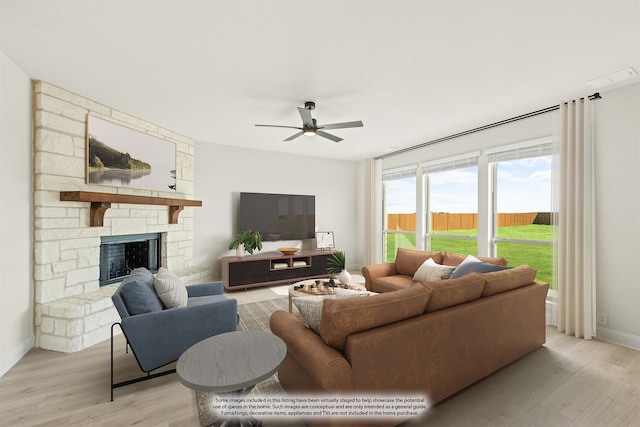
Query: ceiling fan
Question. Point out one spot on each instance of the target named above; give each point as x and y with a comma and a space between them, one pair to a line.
310, 127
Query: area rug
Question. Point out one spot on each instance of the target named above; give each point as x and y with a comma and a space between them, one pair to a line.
254, 316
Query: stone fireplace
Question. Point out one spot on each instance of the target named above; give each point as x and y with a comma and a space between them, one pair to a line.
72, 310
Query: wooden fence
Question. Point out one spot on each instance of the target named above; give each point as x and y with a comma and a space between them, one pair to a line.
464, 221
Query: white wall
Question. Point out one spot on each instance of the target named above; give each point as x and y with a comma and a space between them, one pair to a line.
223, 172
16, 285
618, 214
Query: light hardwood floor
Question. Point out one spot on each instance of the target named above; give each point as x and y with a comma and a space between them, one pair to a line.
567, 382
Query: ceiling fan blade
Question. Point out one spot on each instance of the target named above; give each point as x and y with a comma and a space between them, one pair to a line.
278, 126
306, 117
357, 124
328, 136
292, 137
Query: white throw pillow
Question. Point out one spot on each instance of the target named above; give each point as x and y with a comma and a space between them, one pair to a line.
431, 271
170, 289
310, 309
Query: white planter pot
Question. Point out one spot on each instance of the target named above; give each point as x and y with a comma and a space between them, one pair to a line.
344, 277
240, 251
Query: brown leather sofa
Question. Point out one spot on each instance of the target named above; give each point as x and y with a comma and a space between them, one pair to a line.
434, 338
399, 274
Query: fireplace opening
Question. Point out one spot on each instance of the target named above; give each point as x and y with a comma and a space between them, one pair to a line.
119, 255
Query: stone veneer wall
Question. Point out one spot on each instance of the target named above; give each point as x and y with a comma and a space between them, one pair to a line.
72, 311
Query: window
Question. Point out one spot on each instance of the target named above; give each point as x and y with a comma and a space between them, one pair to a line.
399, 211
439, 205
523, 222
452, 205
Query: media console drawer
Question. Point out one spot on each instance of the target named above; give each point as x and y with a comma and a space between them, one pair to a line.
273, 268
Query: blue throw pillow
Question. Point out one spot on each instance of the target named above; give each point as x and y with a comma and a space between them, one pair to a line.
472, 264
140, 274
139, 298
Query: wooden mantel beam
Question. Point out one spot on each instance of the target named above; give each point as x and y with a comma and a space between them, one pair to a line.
100, 202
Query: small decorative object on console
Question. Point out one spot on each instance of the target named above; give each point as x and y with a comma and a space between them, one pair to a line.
288, 251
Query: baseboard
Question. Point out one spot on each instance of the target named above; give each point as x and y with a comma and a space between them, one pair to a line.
620, 338
14, 357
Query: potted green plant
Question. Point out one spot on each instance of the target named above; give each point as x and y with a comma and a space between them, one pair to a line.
246, 241
337, 265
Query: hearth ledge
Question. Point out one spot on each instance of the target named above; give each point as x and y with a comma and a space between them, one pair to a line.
77, 322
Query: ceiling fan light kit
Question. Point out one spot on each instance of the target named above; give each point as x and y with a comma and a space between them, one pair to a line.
311, 128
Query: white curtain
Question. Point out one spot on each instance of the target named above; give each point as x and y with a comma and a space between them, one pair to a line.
373, 212
576, 220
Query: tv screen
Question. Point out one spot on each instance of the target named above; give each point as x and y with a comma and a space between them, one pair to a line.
278, 216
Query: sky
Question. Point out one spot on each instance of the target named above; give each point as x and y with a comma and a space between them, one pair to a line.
523, 186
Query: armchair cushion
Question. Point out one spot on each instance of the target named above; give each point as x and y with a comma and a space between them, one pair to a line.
142, 275
170, 289
139, 298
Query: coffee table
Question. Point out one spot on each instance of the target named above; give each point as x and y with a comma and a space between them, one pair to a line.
232, 364
294, 293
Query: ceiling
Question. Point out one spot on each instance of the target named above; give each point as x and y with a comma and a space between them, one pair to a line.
412, 71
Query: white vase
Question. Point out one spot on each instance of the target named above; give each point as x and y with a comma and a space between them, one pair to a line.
344, 277
240, 250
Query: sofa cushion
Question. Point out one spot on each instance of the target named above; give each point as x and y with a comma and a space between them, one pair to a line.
502, 281
170, 289
310, 307
138, 297
447, 293
343, 317
429, 271
454, 259
392, 283
472, 264
409, 260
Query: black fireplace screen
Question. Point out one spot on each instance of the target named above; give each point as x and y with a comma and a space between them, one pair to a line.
121, 254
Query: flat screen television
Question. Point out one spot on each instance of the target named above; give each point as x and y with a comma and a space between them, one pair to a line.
278, 216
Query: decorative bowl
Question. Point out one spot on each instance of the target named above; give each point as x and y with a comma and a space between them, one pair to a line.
288, 251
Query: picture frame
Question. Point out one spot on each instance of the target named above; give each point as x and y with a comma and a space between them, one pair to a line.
325, 240
120, 156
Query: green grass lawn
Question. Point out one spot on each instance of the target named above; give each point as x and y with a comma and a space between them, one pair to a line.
539, 257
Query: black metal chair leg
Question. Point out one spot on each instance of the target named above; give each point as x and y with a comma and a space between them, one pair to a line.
149, 375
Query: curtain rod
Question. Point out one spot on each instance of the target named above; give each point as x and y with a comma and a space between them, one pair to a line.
481, 128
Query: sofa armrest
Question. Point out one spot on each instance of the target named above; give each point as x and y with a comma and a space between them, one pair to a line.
373, 271
325, 365
204, 289
160, 338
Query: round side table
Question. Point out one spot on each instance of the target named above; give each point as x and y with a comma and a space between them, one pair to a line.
232, 364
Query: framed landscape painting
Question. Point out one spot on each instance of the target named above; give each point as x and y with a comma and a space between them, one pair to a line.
123, 157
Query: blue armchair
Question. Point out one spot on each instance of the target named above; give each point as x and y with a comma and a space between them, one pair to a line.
158, 336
